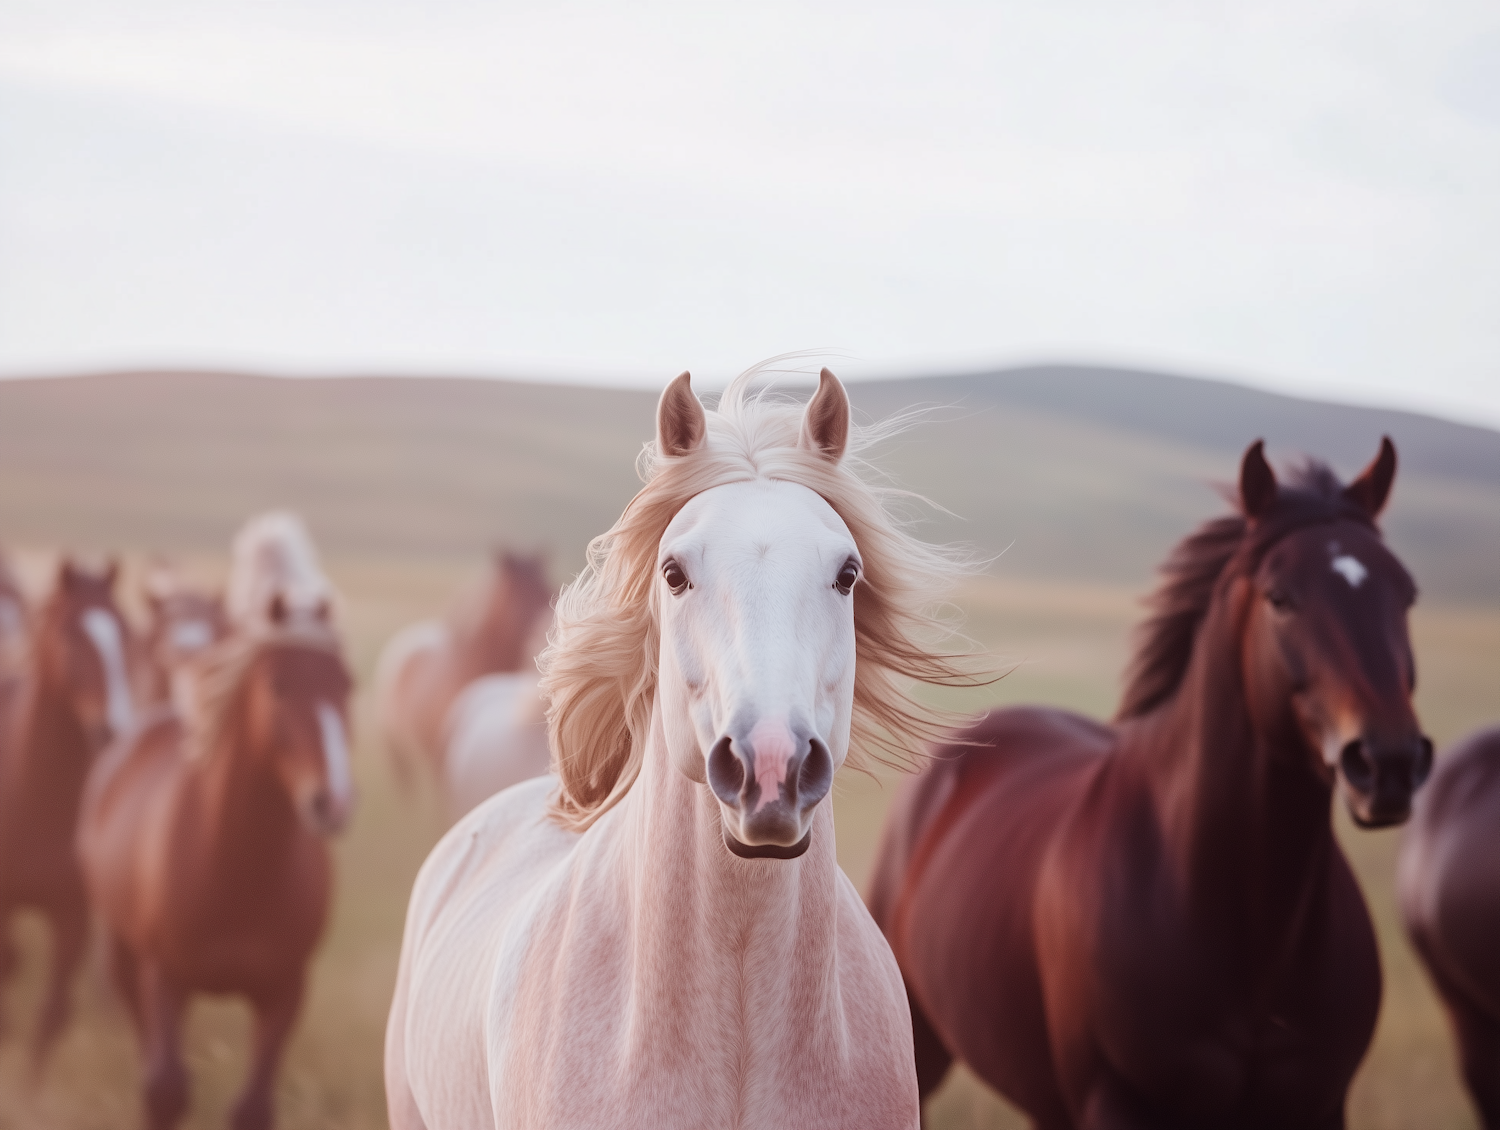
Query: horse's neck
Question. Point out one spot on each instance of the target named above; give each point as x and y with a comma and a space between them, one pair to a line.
50, 739
1245, 817
239, 804
715, 935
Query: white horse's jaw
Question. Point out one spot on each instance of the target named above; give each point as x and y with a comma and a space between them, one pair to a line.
757, 656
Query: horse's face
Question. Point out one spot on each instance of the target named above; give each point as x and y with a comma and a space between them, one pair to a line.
88, 654
757, 655
298, 713
1328, 635
184, 623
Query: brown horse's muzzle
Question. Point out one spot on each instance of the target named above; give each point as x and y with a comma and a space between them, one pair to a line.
1380, 778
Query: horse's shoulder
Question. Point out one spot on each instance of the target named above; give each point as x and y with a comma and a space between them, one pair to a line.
159, 737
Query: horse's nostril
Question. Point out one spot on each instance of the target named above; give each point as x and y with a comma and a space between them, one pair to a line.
726, 774
1424, 762
1356, 766
816, 775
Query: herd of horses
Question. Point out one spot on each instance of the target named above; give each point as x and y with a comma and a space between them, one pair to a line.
637, 917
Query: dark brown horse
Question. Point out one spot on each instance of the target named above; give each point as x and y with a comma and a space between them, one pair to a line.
1449, 885
1150, 923
184, 621
73, 698
203, 843
426, 665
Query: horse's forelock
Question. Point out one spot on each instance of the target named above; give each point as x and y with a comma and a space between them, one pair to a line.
600, 669
1311, 494
220, 672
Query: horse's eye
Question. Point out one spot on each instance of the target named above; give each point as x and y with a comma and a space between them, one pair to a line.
844, 582
676, 579
1279, 600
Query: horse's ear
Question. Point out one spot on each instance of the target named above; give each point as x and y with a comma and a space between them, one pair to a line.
1373, 486
825, 424
1257, 482
277, 610
680, 422
111, 572
323, 610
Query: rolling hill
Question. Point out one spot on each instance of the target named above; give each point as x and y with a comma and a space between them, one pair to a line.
1065, 472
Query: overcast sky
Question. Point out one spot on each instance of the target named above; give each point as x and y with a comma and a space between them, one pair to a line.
1298, 195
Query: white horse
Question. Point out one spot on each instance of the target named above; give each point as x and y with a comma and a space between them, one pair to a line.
273, 559
660, 936
496, 737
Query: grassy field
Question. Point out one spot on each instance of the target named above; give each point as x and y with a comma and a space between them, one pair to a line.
1068, 641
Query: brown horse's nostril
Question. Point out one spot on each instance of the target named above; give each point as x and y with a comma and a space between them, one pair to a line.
1358, 768
726, 773
1424, 762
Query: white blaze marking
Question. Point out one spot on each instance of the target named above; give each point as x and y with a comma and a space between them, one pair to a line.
103, 631
1352, 569
335, 753
191, 635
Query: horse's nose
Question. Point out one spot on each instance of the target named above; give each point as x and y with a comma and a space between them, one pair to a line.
771, 775
325, 813
1384, 776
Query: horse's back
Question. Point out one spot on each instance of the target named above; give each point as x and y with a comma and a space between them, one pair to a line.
406, 674
1449, 875
956, 881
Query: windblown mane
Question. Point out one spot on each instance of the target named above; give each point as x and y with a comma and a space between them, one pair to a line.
1190, 576
219, 676
600, 670
273, 555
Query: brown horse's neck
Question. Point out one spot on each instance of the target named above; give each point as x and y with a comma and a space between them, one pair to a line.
1245, 815
52, 748
245, 815
495, 643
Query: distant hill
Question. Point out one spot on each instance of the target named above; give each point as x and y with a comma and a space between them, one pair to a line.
1073, 472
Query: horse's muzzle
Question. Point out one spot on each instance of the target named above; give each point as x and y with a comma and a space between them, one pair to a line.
768, 781
1381, 779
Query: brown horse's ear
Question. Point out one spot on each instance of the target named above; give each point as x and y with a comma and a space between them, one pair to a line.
680, 422
67, 572
277, 610
1373, 486
1257, 482
323, 610
111, 573
825, 424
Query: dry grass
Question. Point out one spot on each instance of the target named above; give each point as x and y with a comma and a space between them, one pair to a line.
1068, 642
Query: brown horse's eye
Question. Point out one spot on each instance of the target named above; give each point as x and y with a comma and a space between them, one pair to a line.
676, 579
1279, 600
844, 582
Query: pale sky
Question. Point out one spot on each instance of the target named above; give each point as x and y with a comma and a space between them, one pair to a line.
1296, 195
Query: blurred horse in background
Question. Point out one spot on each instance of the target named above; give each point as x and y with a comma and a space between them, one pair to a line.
203, 837
426, 666
184, 620
274, 564
495, 735
1449, 887
15, 628
73, 698
1152, 924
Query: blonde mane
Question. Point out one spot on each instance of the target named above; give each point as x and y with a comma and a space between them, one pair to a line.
599, 673
274, 556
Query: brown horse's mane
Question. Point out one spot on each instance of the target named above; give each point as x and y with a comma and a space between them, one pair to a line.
220, 673
1190, 575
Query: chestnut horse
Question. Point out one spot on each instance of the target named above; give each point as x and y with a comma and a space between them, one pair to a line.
184, 621
72, 699
203, 843
660, 937
427, 665
1151, 924
1449, 887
